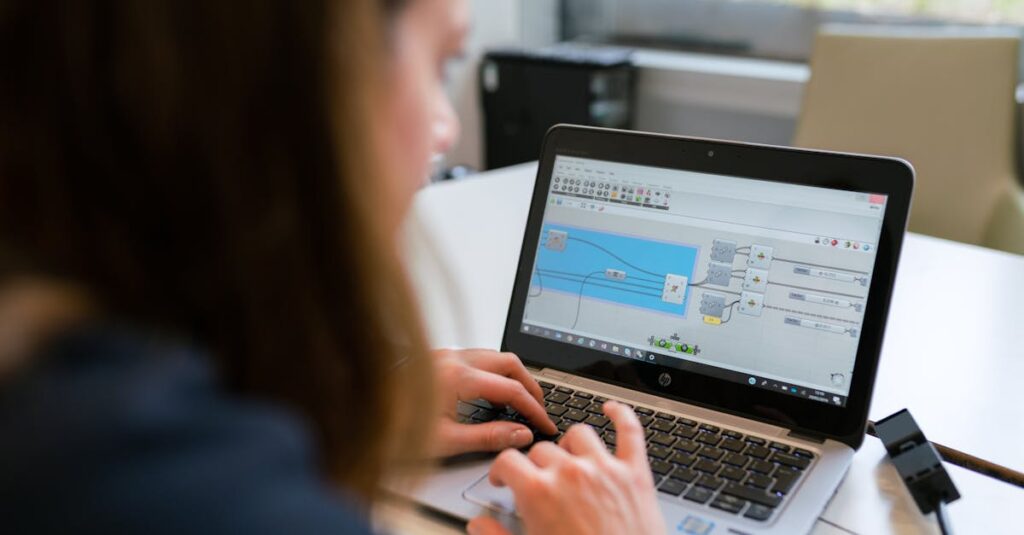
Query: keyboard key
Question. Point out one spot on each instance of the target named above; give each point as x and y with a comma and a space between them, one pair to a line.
658, 452
709, 428
665, 416
645, 420
699, 495
465, 409
803, 453
661, 467
708, 438
556, 410
728, 503
758, 452
732, 473
609, 437
595, 408
577, 403
643, 411
707, 466
672, 487
784, 480
564, 425
663, 425
557, 397
757, 441
600, 399
685, 474
564, 389
545, 384
663, 439
732, 444
758, 512
684, 432
584, 395
736, 459
779, 446
786, 459
752, 494
686, 421
648, 433
761, 467
596, 420
484, 415
709, 481
688, 446
760, 481
575, 415
711, 452
732, 434
682, 459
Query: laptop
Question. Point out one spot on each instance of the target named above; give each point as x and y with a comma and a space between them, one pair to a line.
735, 295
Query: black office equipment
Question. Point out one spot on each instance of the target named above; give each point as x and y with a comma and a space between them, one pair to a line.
524, 93
918, 464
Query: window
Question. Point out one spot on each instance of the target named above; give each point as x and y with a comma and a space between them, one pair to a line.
779, 29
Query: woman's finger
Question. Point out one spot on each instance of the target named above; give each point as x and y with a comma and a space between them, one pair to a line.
629, 434
583, 441
486, 525
513, 470
497, 389
544, 454
508, 365
455, 438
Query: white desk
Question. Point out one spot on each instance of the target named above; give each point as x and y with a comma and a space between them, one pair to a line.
953, 354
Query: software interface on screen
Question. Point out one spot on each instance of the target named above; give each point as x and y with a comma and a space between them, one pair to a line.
745, 280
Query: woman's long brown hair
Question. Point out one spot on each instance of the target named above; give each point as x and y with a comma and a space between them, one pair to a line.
203, 168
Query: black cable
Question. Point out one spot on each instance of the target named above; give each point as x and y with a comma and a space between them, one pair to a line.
940, 515
579, 302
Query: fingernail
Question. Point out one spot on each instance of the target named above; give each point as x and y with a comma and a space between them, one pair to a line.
521, 437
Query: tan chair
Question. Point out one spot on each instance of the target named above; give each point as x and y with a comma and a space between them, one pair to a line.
945, 103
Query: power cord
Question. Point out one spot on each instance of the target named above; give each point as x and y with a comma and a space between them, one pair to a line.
919, 465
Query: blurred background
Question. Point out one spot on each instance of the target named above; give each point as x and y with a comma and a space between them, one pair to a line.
937, 82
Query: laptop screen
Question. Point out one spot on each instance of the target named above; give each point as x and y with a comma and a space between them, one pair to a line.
751, 281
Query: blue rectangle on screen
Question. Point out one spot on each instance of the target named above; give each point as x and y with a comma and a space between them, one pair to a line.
577, 262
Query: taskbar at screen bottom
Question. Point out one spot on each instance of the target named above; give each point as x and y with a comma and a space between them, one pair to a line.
651, 355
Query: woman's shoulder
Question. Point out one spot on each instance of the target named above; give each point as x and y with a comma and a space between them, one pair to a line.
114, 431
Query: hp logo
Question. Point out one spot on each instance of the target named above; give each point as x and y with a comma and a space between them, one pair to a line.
664, 379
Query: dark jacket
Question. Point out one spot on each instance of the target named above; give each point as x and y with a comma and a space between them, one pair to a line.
114, 432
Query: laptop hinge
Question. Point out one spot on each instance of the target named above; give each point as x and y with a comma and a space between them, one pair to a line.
817, 439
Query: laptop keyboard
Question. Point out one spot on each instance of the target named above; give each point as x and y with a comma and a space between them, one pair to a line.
694, 461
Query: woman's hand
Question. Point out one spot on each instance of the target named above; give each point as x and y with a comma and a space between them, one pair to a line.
578, 487
499, 378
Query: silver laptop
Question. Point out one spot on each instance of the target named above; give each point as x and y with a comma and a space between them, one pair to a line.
735, 295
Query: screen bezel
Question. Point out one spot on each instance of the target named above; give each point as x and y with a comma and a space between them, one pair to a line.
889, 176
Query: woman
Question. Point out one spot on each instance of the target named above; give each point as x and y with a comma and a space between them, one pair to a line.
204, 326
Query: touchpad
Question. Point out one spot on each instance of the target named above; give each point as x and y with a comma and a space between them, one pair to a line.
497, 498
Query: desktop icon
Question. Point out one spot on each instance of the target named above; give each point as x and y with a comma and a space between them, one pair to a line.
615, 349
627, 352
752, 381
